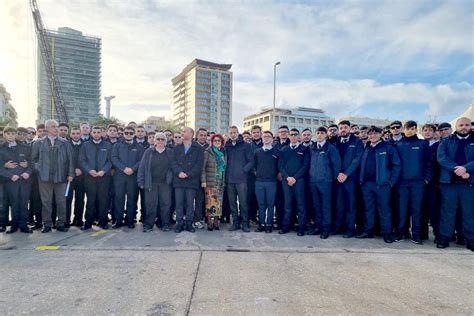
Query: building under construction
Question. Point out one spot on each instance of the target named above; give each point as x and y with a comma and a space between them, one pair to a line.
77, 67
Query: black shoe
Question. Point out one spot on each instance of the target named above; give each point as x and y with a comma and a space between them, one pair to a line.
348, 235
26, 230
12, 229
461, 242
86, 227
46, 229
37, 226
178, 229
260, 229
300, 233
62, 228
131, 226
165, 228
442, 245
117, 225
314, 231
67, 225
365, 235
416, 240
338, 231
470, 246
324, 235
147, 229
105, 226
190, 228
3, 229
388, 238
398, 238
234, 227
269, 229
246, 228
284, 231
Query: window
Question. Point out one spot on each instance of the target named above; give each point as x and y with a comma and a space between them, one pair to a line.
284, 119
266, 118
292, 119
300, 120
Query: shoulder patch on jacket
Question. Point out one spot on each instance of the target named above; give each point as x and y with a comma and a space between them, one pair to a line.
383, 153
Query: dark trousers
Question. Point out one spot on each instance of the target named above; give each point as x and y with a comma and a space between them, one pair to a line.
50, 191
97, 189
3, 207
199, 205
346, 204
234, 191
321, 196
377, 199
410, 201
184, 202
431, 209
18, 194
265, 193
159, 197
35, 212
125, 187
280, 204
297, 192
141, 193
454, 195
310, 212
111, 207
76, 191
252, 202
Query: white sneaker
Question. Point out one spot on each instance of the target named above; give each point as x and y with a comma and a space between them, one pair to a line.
198, 225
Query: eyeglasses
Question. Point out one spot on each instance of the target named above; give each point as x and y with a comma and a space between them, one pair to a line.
395, 127
216, 141
293, 134
128, 133
177, 137
33, 133
162, 139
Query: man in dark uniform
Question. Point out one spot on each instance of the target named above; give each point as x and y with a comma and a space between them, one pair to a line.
76, 190
94, 159
282, 141
293, 165
140, 138
350, 151
456, 157
256, 142
201, 140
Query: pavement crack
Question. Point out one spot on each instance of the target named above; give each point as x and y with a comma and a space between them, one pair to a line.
188, 306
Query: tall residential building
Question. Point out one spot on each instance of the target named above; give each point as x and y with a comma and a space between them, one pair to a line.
8, 115
300, 118
77, 60
202, 96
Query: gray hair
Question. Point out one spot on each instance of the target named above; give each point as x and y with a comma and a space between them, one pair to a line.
48, 123
160, 135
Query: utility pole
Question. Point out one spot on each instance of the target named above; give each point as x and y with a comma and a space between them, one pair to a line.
274, 93
108, 101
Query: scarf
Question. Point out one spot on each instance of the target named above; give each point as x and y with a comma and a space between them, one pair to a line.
220, 161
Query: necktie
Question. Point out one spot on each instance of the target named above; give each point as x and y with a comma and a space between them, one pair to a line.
319, 146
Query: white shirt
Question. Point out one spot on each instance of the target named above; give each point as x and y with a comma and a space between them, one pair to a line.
321, 144
265, 148
397, 138
344, 139
97, 141
294, 146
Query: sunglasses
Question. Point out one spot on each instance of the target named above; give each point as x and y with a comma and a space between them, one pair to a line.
293, 134
395, 127
33, 133
128, 133
162, 139
177, 137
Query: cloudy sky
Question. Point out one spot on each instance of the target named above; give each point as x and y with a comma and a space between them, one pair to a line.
395, 59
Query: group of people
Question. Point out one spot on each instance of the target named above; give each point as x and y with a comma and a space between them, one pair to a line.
339, 179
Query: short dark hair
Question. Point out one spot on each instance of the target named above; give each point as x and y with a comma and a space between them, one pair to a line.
62, 124
429, 125
306, 129
267, 132
322, 129
246, 133
354, 125
256, 127
97, 127
363, 128
130, 128
375, 129
396, 123
151, 133
410, 124
40, 126
112, 125
283, 127
332, 125
201, 129
344, 122
7, 129
22, 130
295, 130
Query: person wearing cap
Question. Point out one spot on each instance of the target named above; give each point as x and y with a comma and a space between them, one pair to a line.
380, 169
445, 130
293, 165
155, 177
416, 172
350, 151
325, 164
396, 132
456, 157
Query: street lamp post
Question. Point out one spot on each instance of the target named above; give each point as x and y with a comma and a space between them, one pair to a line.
274, 93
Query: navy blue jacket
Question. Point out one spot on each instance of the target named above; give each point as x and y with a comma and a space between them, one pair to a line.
278, 145
388, 165
18, 154
144, 176
415, 158
351, 162
266, 164
75, 154
294, 162
434, 162
446, 153
126, 155
239, 161
325, 163
87, 156
190, 163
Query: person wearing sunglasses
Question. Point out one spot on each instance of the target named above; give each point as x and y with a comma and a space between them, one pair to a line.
126, 157
332, 133
213, 180
21, 133
177, 139
155, 177
396, 132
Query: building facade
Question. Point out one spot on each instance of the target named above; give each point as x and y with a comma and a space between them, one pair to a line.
156, 123
77, 60
8, 115
202, 96
300, 118
366, 121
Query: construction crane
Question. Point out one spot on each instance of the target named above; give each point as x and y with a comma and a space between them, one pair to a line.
57, 103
